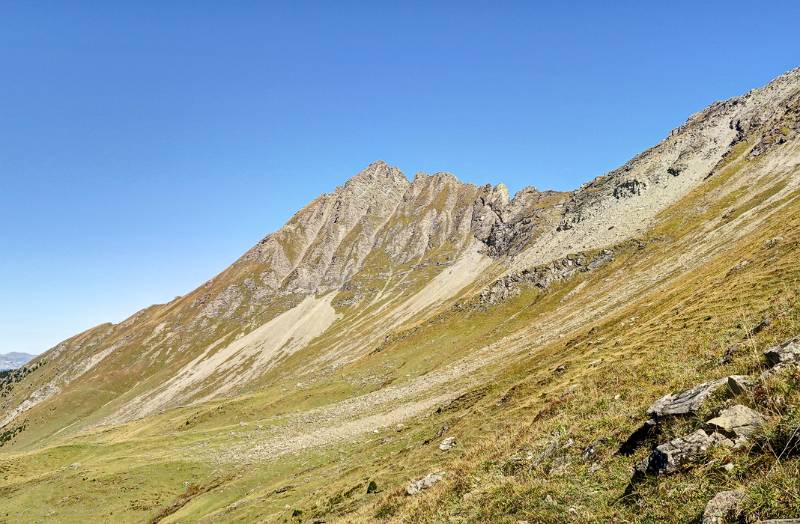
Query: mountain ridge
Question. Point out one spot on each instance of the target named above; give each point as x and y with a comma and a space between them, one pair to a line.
323, 246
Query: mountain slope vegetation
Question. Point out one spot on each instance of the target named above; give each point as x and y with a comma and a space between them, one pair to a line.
503, 348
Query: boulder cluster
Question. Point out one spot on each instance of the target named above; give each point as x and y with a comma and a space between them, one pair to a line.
731, 427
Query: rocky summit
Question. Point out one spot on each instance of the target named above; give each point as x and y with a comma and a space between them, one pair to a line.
428, 350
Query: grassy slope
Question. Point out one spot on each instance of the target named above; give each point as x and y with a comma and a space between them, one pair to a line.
666, 341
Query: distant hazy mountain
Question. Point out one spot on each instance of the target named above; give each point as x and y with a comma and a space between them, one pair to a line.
13, 360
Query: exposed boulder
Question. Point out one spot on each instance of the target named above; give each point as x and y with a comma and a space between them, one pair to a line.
691, 400
447, 444
590, 451
686, 402
424, 483
738, 420
671, 456
676, 169
723, 508
786, 353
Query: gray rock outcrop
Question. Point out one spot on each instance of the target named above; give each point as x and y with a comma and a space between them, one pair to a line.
688, 401
544, 276
738, 420
506, 227
424, 483
671, 456
782, 354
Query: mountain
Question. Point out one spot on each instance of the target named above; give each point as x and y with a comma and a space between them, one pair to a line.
505, 349
13, 360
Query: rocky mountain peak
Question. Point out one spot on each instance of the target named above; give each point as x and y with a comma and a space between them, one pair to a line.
378, 174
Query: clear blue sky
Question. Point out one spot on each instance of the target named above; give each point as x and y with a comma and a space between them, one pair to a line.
146, 145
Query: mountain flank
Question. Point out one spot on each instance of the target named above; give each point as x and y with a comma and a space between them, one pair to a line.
429, 350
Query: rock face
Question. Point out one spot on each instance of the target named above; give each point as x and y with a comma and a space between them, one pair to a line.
506, 227
435, 211
317, 248
723, 508
424, 483
686, 402
543, 276
738, 420
323, 246
616, 205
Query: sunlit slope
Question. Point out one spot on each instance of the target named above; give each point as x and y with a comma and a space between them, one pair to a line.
617, 330
713, 269
461, 323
